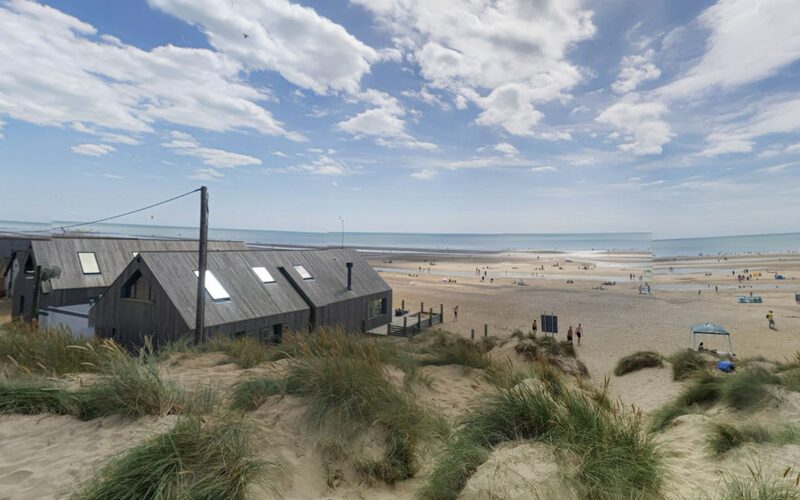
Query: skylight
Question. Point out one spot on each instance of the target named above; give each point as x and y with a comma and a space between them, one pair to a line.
214, 287
263, 275
303, 273
134, 254
88, 263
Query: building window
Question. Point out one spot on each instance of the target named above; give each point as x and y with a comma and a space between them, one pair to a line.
263, 275
88, 263
214, 288
377, 307
137, 288
303, 273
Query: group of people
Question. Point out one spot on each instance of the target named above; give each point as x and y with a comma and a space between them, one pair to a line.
571, 334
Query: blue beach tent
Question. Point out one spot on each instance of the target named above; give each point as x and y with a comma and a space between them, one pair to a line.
709, 329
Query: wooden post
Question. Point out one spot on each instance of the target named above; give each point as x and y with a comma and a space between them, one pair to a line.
199, 333
441, 313
405, 324
421, 309
472, 334
485, 330
37, 286
403, 304
430, 317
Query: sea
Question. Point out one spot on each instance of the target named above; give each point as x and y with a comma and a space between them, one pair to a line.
452, 242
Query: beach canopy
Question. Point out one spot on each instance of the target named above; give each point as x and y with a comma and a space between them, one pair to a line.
709, 329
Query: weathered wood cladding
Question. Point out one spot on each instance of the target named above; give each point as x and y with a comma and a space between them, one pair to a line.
254, 307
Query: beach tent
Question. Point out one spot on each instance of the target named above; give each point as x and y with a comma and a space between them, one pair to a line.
709, 329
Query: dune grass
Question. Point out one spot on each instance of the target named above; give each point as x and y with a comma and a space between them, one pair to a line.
251, 394
193, 460
743, 390
618, 459
686, 363
724, 437
758, 485
449, 349
34, 396
637, 361
53, 352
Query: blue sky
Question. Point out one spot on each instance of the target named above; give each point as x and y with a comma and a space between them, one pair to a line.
677, 117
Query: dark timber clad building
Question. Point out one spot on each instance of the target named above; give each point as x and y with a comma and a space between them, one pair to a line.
86, 266
258, 293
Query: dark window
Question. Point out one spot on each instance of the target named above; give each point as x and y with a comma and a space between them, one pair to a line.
277, 333
239, 335
113, 333
137, 288
384, 306
376, 308
21, 304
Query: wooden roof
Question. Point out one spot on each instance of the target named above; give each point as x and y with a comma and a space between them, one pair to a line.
112, 255
249, 297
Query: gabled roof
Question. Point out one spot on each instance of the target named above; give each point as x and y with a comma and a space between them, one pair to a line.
249, 297
111, 254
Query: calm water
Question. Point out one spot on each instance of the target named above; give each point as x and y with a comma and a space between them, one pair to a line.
770, 243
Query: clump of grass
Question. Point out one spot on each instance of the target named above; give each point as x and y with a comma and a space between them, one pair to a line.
251, 394
130, 387
193, 460
54, 352
725, 437
747, 388
448, 349
686, 363
637, 361
347, 389
618, 459
246, 352
759, 485
31, 397
505, 375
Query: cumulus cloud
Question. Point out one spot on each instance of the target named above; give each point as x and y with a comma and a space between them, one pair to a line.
186, 145
324, 165
635, 71
544, 168
747, 42
502, 147
307, 49
505, 57
642, 124
384, 123
56, 71
424, 174
206, 174
92, 149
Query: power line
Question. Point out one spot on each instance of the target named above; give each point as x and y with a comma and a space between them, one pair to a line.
70, 226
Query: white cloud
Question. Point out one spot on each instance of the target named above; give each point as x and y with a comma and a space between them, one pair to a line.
780, 168
206, 174
280, 154
305, 48
92, 149
56, 71
383, 122
646, 131
324, 165
503, 56
105, 136
544, 168
794, 148
184, 144
772, 116
425, 174
748, 41
505, 148
635, 71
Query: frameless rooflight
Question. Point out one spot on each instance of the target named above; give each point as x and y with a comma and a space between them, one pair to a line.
88, 263
303, 273
263, 275
213, 287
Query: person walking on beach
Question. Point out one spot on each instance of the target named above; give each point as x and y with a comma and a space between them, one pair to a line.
455, 314
569, 334
534, 328
579, 333
771, 319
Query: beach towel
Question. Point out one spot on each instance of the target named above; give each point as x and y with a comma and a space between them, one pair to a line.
726, 366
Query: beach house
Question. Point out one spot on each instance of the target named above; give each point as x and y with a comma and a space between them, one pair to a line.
258, 293
59, 278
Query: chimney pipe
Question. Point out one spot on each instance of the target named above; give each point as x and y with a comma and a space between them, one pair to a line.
349, 275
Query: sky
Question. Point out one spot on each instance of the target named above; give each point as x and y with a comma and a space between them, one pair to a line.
676, 117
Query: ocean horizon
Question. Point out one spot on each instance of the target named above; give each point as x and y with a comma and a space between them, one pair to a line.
477, 242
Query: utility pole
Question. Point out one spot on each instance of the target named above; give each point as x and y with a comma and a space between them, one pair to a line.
341, 219
199, 334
